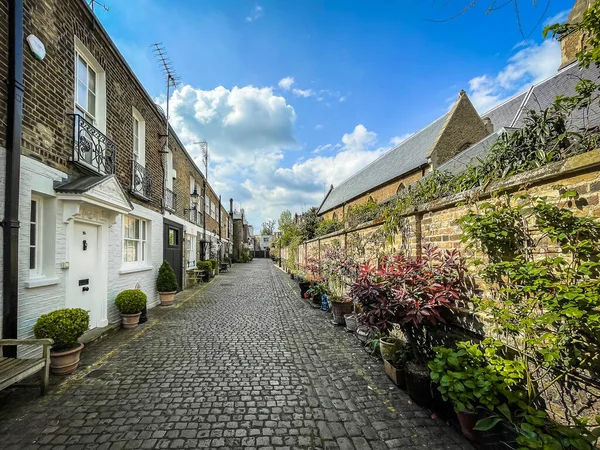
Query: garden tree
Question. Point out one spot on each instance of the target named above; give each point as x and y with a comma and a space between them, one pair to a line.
268, 228
288, 229
310, 222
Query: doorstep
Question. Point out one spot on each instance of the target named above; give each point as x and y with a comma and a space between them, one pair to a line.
97, 334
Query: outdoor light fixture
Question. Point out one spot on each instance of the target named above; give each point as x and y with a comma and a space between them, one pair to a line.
195, 197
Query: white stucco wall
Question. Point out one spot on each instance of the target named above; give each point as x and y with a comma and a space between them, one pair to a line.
118, 280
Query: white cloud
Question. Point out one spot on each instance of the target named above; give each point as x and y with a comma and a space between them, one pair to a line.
398, 139
286, 83
257, 13
318, 127
530, 65
560, 17
303, 92
359, 139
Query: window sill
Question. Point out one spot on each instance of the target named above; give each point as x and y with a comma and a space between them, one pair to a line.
41, 281
125, 270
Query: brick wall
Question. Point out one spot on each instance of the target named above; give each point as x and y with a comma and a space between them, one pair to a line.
436, 223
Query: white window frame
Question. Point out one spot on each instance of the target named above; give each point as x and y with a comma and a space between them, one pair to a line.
213, 210
207, 205
99, 117
170, 171
37, 270
190, 257
139, 152
143, 242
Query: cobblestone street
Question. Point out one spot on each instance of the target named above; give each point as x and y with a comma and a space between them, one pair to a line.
242, 363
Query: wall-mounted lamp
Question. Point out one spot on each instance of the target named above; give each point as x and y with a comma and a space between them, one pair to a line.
194, 196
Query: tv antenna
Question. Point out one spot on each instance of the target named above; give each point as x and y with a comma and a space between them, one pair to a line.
204, 150
95, 2
171, 79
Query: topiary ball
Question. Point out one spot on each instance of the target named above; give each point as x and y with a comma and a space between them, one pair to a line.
131, 301
63, 326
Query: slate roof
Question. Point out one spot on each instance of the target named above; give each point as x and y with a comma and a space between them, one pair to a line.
406, 156
412, 153
81, 185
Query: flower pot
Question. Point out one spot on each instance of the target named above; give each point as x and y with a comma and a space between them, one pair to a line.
292, 276
129, 321
418, 384
339, 310
467, 423
351, 322
167, 298
388, 347
304, 285
64, 363
364, 334
396, 374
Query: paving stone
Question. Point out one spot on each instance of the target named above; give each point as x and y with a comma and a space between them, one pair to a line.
242, 363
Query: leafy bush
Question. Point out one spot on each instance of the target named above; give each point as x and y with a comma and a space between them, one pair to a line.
214, 263
130, 301
166, 280
328, 226
205, 266
316, 289
63, 326
468, 377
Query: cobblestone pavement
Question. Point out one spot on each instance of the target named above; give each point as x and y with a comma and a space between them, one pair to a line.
243, 363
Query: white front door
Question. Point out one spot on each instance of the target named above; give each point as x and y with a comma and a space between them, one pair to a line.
86, 289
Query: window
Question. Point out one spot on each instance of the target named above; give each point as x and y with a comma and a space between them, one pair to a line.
86, 90
35, 232
173, 237
139, 138
135, 240
190, 249
213, 212
170, 171
206, 204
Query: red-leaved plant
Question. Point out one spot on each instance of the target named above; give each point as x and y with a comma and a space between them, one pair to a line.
409, 290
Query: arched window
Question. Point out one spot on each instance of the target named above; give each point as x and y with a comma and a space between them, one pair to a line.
401, 187
335, 216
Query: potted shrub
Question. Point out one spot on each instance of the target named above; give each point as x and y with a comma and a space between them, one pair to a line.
388, 345
469, 376
206, 268
166, 283
130, 304
340, 307
315, 292
64, 327
214, 263
394, 368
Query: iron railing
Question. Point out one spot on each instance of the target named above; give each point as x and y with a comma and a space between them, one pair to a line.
141, 184
92, 150
169, 199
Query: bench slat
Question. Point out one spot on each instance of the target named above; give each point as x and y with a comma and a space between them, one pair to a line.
7, 363
19, 371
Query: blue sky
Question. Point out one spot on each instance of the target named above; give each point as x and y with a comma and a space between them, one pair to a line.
295, 95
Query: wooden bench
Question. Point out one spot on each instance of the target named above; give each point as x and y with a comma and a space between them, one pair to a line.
13, 370
197, 275
224, 267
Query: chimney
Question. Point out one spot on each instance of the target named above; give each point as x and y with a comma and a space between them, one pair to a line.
489, 126
231, 207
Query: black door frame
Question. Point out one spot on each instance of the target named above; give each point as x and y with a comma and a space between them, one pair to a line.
177, 249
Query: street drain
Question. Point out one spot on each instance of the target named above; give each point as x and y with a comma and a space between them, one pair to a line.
98, 373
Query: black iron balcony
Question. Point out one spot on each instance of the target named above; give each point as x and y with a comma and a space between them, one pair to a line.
141, 184
169, 200
92, 151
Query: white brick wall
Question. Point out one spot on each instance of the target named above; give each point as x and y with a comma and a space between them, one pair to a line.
117, 281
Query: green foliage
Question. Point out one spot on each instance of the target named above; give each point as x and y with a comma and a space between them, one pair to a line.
166, 280
268, 228
359, 214
590, 25
328, 226
245, 257
288, 229
205, 266
131, 301
472, 374
214, 263
63, 326
309, 224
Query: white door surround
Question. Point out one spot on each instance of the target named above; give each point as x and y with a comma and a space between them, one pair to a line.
90, 206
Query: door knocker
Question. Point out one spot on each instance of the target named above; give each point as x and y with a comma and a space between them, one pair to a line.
84, 245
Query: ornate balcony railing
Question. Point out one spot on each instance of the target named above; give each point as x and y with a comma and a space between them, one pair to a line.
92, 151
141, 184
169, 199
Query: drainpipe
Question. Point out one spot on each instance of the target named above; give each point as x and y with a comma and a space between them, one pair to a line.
10, 224
204, 223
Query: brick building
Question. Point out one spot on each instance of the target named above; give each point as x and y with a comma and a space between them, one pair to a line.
454, 139
102, 199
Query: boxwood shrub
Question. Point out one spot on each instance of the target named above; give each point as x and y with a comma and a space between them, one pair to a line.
130, 301
206, 266
215, 263
64, 326
166, 281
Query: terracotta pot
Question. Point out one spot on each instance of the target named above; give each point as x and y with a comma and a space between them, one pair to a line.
418, 384
467, 423
129, 321
167, 298
340, 309
351, 322
388, 347
64, 363
396, 374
